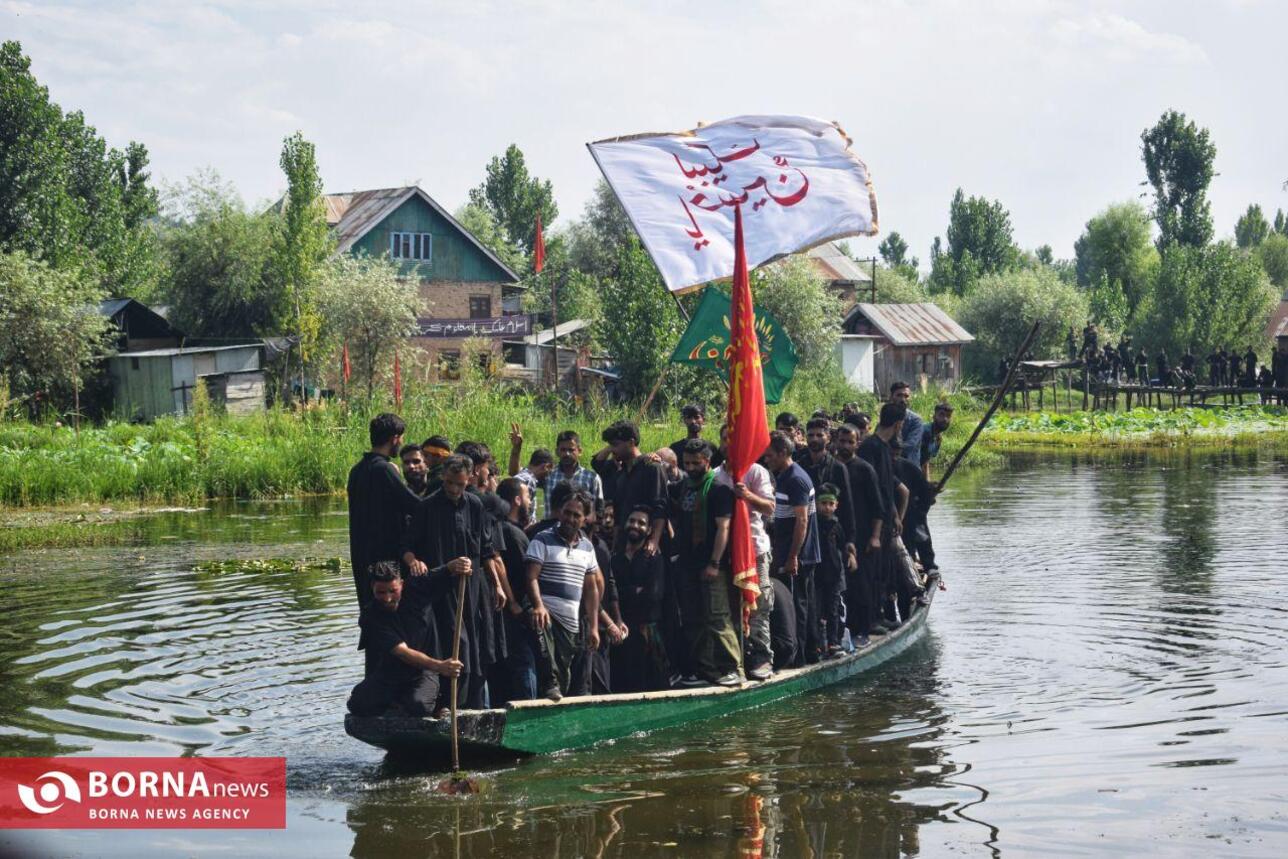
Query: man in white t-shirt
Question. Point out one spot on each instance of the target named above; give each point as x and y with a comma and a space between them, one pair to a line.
562, 574
757, 489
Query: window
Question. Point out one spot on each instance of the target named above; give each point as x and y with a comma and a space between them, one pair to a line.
411, 246
449, 363
480, 307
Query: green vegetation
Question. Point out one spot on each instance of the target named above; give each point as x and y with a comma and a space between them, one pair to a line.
1262, 426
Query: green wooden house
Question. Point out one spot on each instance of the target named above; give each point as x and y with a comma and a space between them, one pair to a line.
468, 290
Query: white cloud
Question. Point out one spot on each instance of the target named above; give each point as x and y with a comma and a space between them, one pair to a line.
1123, 40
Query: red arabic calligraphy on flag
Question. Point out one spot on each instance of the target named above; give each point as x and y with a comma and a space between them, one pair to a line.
795, 179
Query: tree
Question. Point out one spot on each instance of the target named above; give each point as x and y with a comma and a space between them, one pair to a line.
1002, 308
1178, 159
897, 286
1252, 228
1044, 255
363, 302
800, 300
979, 243
1273, 256
894, 252
218, 255
1281, 223
577, 293
640, 326
65, 197
51, 333
1207, 297
480, 223
513, 198
1114, 257
303, 243
595, 241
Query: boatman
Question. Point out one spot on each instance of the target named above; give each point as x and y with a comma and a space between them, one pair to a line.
449, 537
397, 623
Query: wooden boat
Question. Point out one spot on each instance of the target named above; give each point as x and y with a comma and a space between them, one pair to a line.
543, 726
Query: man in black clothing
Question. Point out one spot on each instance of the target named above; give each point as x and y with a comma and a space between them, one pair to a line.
822, 467
414, 470
694, 416
829, 576
640, 482
921, 496
379, 503
1236, 368
1250, 368
396, 623
436, 449
520, 664
861, 594
640, 663
704, 580
449, 537
875, 450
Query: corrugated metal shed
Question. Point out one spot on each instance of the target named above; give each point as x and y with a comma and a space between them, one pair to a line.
354, 214
921, 324
835, 265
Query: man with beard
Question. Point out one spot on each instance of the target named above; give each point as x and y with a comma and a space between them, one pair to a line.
704, 580
695, 418
875, 450
379, 503
395, 623
757, 490
449, 537
862, 592
570, 471
823, 468
561, 582
640, 662
913, 426
640, 482
414, 470
520, 664
436, 449
795, 541
933, 437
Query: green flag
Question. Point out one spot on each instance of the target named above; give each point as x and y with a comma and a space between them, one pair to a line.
706, 340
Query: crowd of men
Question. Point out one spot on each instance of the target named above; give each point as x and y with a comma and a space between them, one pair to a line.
1225, 368
616, 577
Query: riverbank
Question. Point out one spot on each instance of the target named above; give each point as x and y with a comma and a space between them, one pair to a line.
1262, 427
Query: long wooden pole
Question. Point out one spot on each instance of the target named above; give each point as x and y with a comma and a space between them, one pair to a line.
997, 401
456, 655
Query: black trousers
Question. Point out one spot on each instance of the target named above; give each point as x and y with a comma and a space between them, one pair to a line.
805, 602
376, 695
862, 594
829, 585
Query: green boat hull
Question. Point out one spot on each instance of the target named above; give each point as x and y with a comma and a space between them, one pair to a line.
541, 727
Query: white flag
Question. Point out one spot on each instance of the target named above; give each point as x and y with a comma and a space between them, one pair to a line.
794, 177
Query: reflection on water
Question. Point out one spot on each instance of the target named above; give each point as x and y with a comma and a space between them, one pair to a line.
1105, 674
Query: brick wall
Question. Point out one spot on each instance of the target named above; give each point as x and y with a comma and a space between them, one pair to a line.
451, 300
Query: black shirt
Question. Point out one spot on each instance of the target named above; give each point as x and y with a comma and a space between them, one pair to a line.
643, 483
513, 557
830, 470
920, 496
409, 624
379, 504
876, 453
697, 546
866, 494
830, 540
641, 587
442, 530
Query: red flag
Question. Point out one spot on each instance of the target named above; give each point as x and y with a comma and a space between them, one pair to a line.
538, 249
748, 423
397, 382
344, 363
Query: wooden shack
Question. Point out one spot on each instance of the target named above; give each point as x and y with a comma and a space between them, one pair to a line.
139, 326
915, 343
154, 382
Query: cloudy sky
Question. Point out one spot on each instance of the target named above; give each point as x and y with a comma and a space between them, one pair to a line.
1037, 103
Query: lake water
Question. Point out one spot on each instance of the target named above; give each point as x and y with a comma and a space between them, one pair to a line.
1106, 674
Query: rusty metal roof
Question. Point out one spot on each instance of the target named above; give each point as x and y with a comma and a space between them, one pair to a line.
356, 213
835, 265
921, 324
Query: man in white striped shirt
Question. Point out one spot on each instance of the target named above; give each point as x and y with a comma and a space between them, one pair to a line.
563, 574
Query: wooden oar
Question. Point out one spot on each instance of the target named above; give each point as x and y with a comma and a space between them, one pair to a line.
457, 782
997, 401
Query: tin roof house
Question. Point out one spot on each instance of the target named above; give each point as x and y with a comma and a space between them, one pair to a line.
915, 343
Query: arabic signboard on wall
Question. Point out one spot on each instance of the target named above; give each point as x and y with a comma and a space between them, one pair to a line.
519, 325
